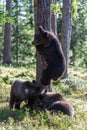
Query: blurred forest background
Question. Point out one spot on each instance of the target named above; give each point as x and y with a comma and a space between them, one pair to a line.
18, 60
21, 19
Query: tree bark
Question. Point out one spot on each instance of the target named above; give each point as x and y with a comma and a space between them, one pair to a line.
42, 17
7, 36
66, 31
17, 31
54, 23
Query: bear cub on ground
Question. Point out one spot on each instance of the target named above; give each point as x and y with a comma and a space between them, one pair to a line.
22, 90
50, 48
55, 102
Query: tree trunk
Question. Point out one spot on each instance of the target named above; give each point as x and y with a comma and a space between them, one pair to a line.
16, 30
7, 36
42, 17
66, 31
54, 23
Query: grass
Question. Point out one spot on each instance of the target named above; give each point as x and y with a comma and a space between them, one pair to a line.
74, 89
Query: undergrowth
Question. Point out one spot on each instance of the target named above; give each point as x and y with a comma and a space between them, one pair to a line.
74, 89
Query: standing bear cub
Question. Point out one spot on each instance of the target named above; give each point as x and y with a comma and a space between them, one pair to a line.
50, 49
22, 90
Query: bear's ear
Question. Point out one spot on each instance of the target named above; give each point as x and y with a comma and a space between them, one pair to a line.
42, 30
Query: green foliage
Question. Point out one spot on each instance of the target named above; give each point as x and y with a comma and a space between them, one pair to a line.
52, 8
74, 7
79, 37
37, 119
58, 8
79, 32
78, 47
23, 51
4, 16
55, 7
22, 32
22, 19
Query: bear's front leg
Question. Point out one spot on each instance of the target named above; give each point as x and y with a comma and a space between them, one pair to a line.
12, 100
17, 104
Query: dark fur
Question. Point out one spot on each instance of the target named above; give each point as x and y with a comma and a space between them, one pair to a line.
55, 102
50, 48
22, 90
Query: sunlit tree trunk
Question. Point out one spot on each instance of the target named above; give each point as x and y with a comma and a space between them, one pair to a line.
42, 17
7, 36
66, 31
16, 30
54, 23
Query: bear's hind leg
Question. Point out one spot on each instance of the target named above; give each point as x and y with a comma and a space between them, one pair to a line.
46, 78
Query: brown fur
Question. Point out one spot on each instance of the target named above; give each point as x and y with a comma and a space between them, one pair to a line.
55, 102
22, 90
53, 58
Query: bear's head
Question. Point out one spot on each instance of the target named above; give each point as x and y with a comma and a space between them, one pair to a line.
42, 37
33, 88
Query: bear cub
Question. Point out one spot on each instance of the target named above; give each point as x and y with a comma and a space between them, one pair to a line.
50, 49
22, 90
55, 102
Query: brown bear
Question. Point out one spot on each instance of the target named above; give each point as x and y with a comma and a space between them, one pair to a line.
22, 90
50, 49
55, 102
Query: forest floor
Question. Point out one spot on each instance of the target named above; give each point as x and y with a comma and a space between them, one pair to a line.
74, 89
